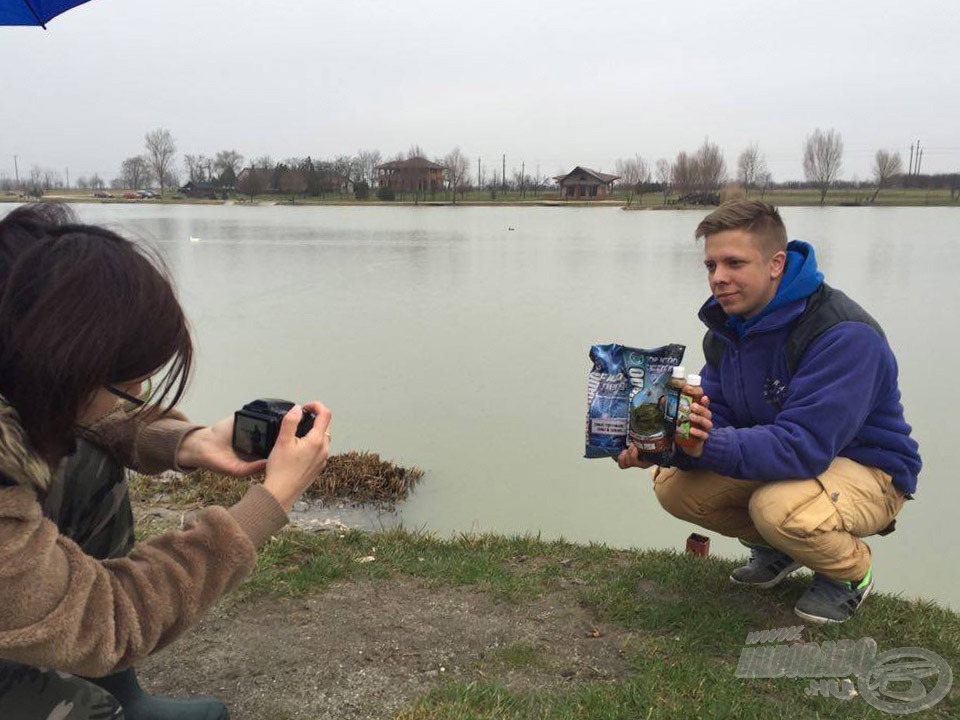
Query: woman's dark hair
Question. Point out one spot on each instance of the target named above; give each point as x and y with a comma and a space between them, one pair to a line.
81, 308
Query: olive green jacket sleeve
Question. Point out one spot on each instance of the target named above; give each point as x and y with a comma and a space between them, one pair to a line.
63, 609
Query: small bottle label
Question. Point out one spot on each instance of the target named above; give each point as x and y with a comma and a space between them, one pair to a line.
683, 417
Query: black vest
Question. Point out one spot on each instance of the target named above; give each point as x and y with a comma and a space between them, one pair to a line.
826, 307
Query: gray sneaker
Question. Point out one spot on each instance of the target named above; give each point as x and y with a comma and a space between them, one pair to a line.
833, 601
767, 567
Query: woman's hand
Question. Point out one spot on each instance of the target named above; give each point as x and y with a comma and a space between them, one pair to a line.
700, 425
211, 448
295, 462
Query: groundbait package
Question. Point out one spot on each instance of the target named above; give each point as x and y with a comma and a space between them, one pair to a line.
625, 401
608, 402
648, 372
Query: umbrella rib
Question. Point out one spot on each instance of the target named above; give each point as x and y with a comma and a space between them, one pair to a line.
35, 16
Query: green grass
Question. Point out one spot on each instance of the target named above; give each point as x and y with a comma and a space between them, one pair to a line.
688, 623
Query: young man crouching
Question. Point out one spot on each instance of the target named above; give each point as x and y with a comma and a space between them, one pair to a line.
805, 447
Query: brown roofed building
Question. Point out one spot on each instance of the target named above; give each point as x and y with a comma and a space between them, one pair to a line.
585, 184
412, 175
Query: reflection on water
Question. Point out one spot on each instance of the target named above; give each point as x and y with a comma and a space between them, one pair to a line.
442, 339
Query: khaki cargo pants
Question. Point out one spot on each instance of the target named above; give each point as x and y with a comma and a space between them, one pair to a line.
817, 521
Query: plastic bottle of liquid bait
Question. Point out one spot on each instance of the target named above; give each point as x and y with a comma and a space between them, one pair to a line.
672, 395
691, 393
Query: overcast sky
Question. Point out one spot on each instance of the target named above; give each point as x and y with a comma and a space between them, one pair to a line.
554, 84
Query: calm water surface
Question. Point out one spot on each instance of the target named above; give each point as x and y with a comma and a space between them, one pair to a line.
441, 337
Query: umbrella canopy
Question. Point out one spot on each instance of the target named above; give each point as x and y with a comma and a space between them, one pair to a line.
33, 12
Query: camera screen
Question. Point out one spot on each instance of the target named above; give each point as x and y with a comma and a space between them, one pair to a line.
250, 435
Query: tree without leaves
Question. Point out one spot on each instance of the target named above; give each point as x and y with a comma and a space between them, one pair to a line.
227, 163
751, 165
634, 175
765, 180
160, 152
196, 168
292, 182
456, 166
135, 172
711, 168
252, 182
663, 177
885, 165
51, 179
684, 173
367, 161
822, 159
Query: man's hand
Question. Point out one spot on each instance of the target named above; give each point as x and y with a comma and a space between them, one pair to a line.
211, 448
631, 458
700, 425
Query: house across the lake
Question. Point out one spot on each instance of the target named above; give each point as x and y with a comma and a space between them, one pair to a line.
585, 184
411, 175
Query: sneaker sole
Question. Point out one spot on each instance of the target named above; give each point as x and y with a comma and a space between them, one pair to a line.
773, 582
825, 620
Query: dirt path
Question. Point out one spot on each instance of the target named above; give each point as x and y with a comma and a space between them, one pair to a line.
369, 649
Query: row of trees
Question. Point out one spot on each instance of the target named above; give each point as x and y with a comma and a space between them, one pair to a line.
702, 171
705, 170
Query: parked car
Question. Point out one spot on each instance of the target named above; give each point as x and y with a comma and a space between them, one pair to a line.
131, 196
147, 194
102, 194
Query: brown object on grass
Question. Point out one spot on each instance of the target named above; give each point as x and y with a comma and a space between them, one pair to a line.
698, 545
352, 476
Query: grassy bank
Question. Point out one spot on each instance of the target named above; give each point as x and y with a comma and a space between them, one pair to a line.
683, 624
896, 197
641, 634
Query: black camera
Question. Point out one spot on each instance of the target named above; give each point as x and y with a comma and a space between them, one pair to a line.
256, 425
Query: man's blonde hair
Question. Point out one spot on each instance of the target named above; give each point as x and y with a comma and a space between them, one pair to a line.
754, 216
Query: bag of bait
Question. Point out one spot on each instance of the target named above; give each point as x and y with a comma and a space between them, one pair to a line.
648, 374
608, 402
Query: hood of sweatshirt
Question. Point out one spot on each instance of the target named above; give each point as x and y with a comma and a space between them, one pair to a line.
18, 461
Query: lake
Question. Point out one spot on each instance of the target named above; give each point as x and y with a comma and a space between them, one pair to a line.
456, 339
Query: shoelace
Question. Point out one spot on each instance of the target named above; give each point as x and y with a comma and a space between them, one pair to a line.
769, 558
833, 589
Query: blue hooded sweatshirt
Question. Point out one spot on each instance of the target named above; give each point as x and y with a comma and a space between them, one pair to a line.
842, 401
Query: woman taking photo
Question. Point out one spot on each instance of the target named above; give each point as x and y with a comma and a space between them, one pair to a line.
87, 318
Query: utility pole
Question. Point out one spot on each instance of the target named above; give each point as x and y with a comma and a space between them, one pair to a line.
16, 171
919, 158
68, 177
479, 177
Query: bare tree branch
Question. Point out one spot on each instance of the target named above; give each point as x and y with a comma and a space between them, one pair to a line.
885, 165
822, 159
160, 151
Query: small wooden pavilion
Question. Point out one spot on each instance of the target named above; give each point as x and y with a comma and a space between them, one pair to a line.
585, 184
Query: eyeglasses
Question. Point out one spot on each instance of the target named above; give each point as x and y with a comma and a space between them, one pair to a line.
146, 390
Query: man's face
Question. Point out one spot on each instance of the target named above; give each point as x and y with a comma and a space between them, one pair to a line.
742, 278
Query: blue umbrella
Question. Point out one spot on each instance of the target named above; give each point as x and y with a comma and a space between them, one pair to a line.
33, 12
